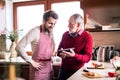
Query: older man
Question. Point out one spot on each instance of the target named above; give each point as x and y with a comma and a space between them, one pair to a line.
80, 43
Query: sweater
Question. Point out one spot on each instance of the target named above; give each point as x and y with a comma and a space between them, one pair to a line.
82, 45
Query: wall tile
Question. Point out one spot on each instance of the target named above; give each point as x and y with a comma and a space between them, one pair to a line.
106, 38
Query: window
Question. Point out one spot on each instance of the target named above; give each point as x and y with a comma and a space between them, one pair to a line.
28, 17
64, 10
31, 16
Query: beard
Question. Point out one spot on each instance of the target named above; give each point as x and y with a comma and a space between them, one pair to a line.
47, 30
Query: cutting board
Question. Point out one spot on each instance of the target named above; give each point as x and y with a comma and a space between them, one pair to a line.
93, 67
95, 76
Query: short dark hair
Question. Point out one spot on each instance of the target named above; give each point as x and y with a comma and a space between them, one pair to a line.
50, 13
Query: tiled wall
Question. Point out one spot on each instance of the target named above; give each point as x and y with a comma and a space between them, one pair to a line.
106, 38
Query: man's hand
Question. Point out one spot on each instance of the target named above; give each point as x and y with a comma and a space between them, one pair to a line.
37, 65
64, 54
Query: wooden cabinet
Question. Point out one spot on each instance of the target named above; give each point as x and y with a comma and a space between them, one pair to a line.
24, 73
56, 71
21, 70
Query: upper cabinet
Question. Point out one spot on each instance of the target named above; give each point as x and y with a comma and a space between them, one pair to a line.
104, 13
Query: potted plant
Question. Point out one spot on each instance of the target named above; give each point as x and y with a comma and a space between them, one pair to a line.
13, 36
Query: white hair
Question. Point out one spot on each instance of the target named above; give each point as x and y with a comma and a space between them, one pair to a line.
79, 18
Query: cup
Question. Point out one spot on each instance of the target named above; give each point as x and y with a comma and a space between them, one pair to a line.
7, 56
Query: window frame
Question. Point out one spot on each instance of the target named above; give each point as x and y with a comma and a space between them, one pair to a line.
27, 3
47, 4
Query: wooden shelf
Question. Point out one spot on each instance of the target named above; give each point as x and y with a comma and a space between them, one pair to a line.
100, 30
94, 30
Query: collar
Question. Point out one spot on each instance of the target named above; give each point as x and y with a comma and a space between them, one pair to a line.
76, 34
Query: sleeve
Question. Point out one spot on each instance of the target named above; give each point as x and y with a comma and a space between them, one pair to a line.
27, 39
87, 50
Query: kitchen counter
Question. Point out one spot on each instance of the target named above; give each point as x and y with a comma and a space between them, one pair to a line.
18, 60
23, 66
103, 72
10, 66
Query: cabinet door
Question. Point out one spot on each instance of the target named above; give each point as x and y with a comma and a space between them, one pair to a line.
25, 72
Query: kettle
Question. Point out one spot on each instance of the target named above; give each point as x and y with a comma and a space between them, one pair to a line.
101, 54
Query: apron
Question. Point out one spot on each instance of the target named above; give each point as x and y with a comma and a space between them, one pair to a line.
43, 54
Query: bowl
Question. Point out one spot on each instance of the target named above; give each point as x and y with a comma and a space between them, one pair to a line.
112, 74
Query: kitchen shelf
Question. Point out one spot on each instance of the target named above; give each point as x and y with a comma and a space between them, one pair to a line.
94, 30
100, 30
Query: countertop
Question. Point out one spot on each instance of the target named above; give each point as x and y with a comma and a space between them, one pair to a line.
11, 64
103, 72
19, 60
